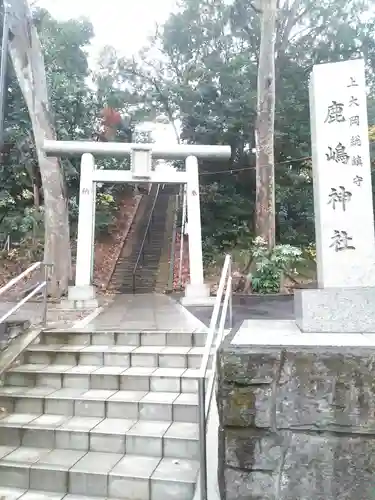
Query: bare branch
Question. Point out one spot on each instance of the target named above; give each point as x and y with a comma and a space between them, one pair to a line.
163, 98
255, 8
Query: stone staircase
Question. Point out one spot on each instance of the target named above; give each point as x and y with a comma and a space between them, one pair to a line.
147, 271
125, 264
102, 414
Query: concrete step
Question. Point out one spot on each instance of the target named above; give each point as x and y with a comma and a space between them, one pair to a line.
97, 377
104, 415
19, 494
109, 338
116, 356
103, 403
116, 435
96, 474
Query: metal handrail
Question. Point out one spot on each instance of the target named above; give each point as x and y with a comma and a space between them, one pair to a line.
172, 254
145, 236
182, 233
205, 397
40, 287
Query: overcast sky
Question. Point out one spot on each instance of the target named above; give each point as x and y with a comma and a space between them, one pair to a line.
123, 24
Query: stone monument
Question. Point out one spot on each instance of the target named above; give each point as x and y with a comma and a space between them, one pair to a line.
344, 220
296, 398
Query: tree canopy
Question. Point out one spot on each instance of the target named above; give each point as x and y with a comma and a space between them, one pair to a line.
201, 68
198, 73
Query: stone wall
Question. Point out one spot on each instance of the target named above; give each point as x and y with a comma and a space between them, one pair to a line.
296, 423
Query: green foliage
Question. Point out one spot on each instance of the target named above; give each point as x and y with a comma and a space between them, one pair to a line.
76, 114
106, 208
199, 73
269, 266
205, 75
224, 219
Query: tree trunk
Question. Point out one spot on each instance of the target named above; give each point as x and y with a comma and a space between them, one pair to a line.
28, 62
264, 131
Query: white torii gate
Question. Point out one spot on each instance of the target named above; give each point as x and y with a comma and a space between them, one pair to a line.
141, 155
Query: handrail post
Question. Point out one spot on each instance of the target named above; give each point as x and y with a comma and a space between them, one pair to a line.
45, 294
146, 236
229, 283
182, 235
202, 437
203, 398
172, 254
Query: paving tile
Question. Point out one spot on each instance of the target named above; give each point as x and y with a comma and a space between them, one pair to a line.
82, 424
148, 349
175, 350
110, 370
185, 408
160, 397
48, 421
182, 430
11, 493
170, 469
18, 419
96, 348
128, 396
39, 391
70, 348
153, 338
98, 394
198, 351
57, 368
113, 426
41, 438
191, 373
121, 349
186, 399
25, 455
72, 440
149, 429
179, 339
97, 463
189, 382
66, 393
82, 369
12, 391
28, 368
139, 371
133, 466
59, 459
6, 450
44, 347
181, 441
129, 338
79, 497
168, 372
42, 495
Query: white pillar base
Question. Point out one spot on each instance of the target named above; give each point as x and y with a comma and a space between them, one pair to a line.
197, 295
81, 297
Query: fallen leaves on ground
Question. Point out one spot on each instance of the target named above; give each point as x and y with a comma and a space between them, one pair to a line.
185, 273
108, 249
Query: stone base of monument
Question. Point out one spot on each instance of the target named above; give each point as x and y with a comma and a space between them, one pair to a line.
344, 310
297, 414
81, 297
197, 295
